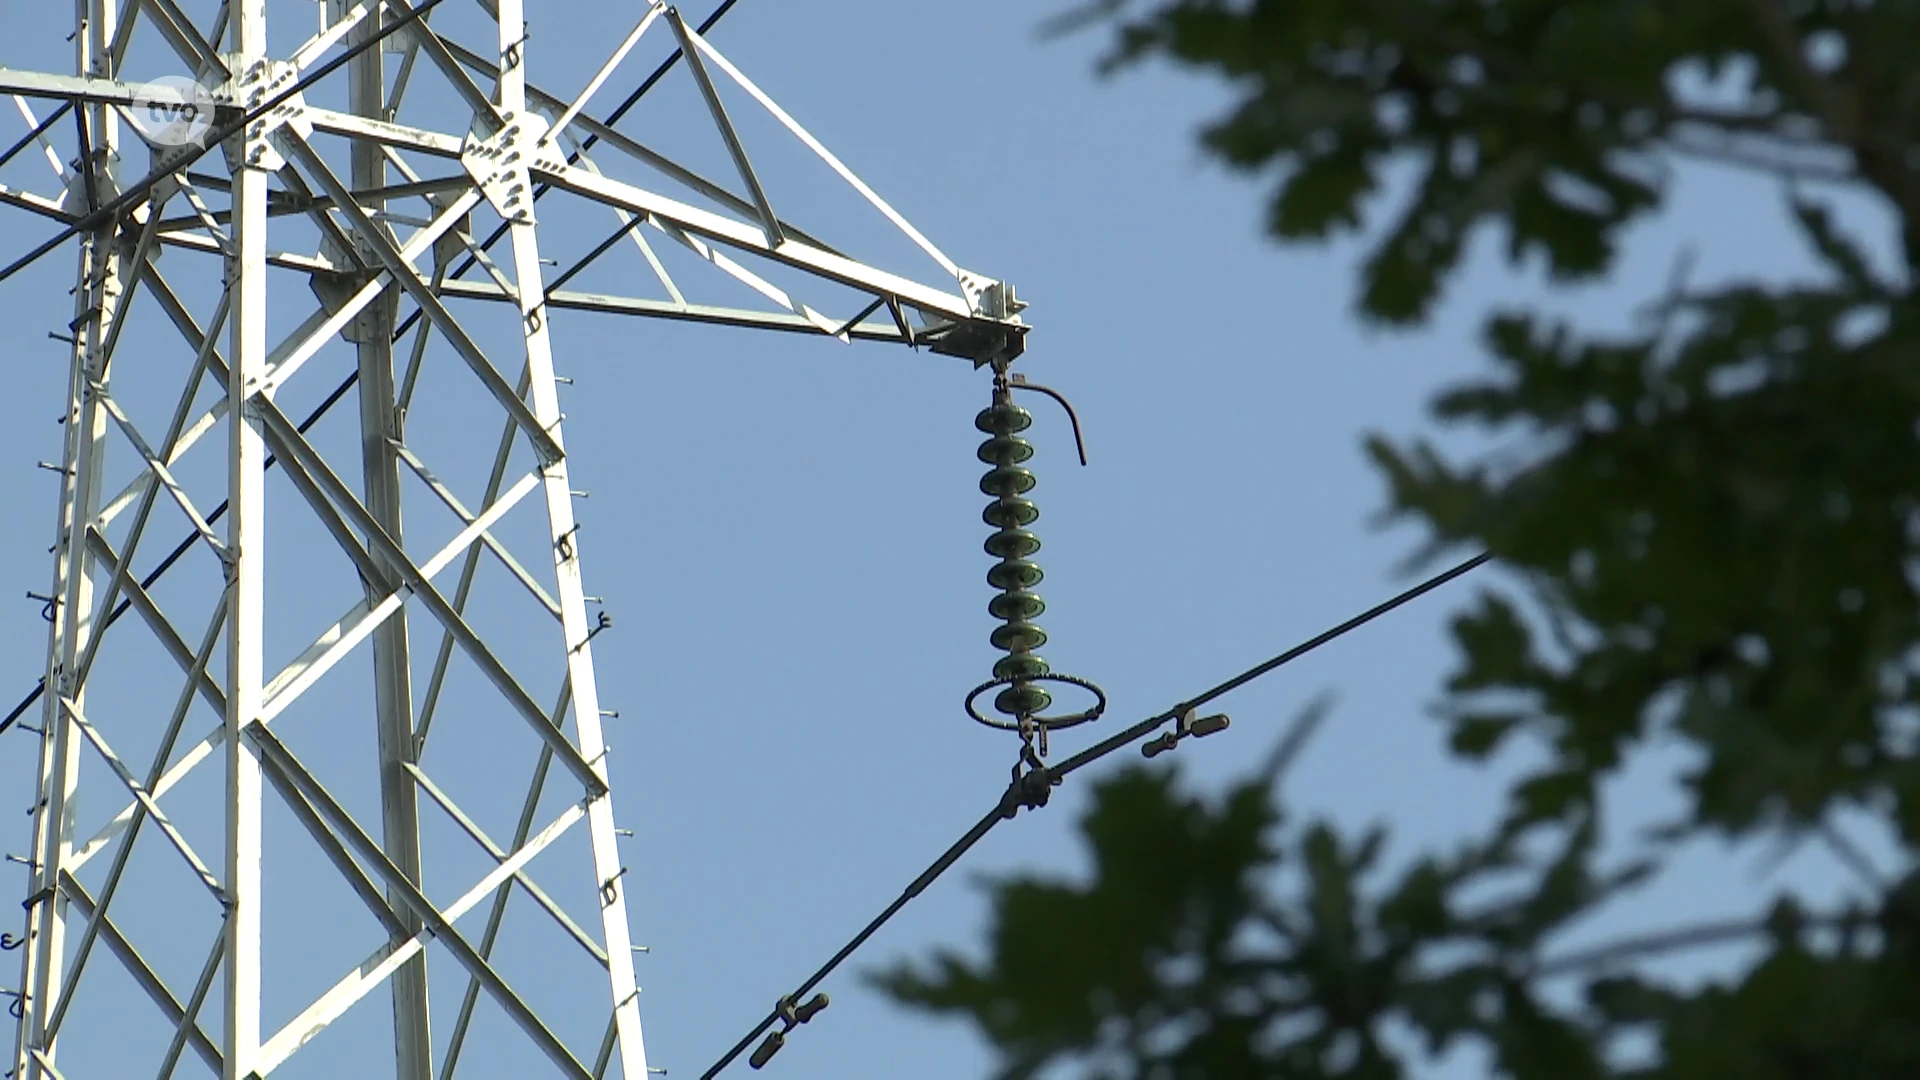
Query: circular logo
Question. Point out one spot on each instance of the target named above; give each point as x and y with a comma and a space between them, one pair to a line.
174, 111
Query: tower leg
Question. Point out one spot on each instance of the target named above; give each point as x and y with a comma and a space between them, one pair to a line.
544, 398
97, 296
380, 428
246, 534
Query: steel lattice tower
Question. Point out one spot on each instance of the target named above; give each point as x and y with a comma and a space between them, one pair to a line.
293, 226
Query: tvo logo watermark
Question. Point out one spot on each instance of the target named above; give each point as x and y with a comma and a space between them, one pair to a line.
174, 111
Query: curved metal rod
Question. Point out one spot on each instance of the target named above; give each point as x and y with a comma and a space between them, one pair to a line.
1019, 382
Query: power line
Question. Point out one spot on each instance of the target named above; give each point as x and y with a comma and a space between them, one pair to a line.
1030, 790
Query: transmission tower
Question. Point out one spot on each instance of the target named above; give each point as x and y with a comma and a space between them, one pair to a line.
241, 749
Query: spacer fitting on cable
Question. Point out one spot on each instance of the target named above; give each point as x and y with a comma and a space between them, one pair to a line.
1186, 726
791, 1016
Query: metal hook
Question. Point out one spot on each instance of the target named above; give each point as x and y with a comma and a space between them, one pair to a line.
1019, 382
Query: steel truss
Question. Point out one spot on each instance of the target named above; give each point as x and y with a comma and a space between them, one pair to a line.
390, 225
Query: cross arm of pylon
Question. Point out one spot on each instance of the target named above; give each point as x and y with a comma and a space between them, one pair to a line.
982, 303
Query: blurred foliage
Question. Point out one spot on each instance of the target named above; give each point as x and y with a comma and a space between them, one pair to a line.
1708, 521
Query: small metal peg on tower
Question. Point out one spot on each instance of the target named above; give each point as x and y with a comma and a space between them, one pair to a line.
1186, 726
791, 1016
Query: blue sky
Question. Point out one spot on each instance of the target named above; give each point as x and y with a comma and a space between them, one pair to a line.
787, 529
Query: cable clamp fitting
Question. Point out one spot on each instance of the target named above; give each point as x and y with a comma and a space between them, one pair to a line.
791, 1016
1186, 726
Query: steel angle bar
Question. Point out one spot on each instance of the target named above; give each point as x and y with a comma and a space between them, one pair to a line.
186, 39
306, 342
605, 1057
603, 131
702, 46
36, 133
111, 886
158, 469
246, 454
658, 309
318, 500
441, 927
189, 1019
543, 390
804, 254
317, 45
468, 518
142, 973
205, 352
468, 570
145, 798
747, 277
383, 132
718, 111
629, 226
335, 851
497, 914
297, 149
486, 116
45, 1062
599, 131
380, 966
169, 637
148, 494
71, 88
499, 855
358, 623
795, 253
654, 8
130, 288
330, 230
479, 257
420, 187
297, 457
416, 361
39, 204
284, 260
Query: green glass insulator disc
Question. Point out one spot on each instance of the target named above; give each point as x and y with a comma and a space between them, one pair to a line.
1020, 666
1016, 605
1018, 637
1023, 700
1005, 450
1007, 480
1012, 544
1011, 512
1015, 574
1003, 419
